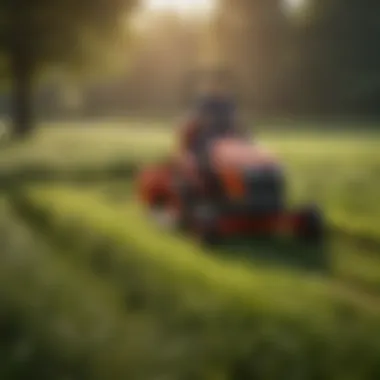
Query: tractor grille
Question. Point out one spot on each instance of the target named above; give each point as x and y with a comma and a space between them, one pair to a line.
265, 188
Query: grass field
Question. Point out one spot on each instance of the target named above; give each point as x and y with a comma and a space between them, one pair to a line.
231, 313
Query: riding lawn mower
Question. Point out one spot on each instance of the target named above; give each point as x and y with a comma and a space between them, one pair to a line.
239, 191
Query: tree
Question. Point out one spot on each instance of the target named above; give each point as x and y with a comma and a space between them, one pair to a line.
252, 38
163, 55
337, 62
37, 34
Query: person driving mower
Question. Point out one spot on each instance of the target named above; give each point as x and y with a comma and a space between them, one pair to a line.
214, 116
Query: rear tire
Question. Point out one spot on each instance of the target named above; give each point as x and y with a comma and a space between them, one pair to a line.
159, 203
312, 228
206, 237
187, 199
204, 225
209, 239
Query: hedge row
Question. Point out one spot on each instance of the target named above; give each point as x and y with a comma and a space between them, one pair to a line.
240, 321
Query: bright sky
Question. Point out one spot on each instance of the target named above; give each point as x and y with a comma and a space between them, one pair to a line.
183, 6
191, 6
295, 3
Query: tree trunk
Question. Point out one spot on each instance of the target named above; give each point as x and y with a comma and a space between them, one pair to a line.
22, 95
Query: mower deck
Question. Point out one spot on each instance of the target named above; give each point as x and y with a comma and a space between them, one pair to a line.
257, 224
305, 223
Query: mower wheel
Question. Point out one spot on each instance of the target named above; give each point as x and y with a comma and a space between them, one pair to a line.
187, 196
312, 227
159, 202
207, 238
204, 218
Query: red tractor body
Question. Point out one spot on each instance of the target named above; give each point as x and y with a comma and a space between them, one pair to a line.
241, 194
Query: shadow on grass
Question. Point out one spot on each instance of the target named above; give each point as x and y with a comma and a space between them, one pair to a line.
303, 256
34, 174
360, 240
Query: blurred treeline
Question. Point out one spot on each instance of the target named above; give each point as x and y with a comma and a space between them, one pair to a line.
319, 58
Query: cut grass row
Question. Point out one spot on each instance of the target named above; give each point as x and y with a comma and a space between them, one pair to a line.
260, 324
59, 321
339, 171
352, 253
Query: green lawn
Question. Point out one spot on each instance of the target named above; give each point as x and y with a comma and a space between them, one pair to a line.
236, 316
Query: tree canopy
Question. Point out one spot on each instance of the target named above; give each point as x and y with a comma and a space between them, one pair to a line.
320, 59
35, 34
337, 55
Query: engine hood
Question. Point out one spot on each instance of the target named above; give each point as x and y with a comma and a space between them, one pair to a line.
241, 154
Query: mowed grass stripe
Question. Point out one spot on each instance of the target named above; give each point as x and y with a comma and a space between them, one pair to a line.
182, 261
59, 321
354, 254
226, 304
351, 261
339, 170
